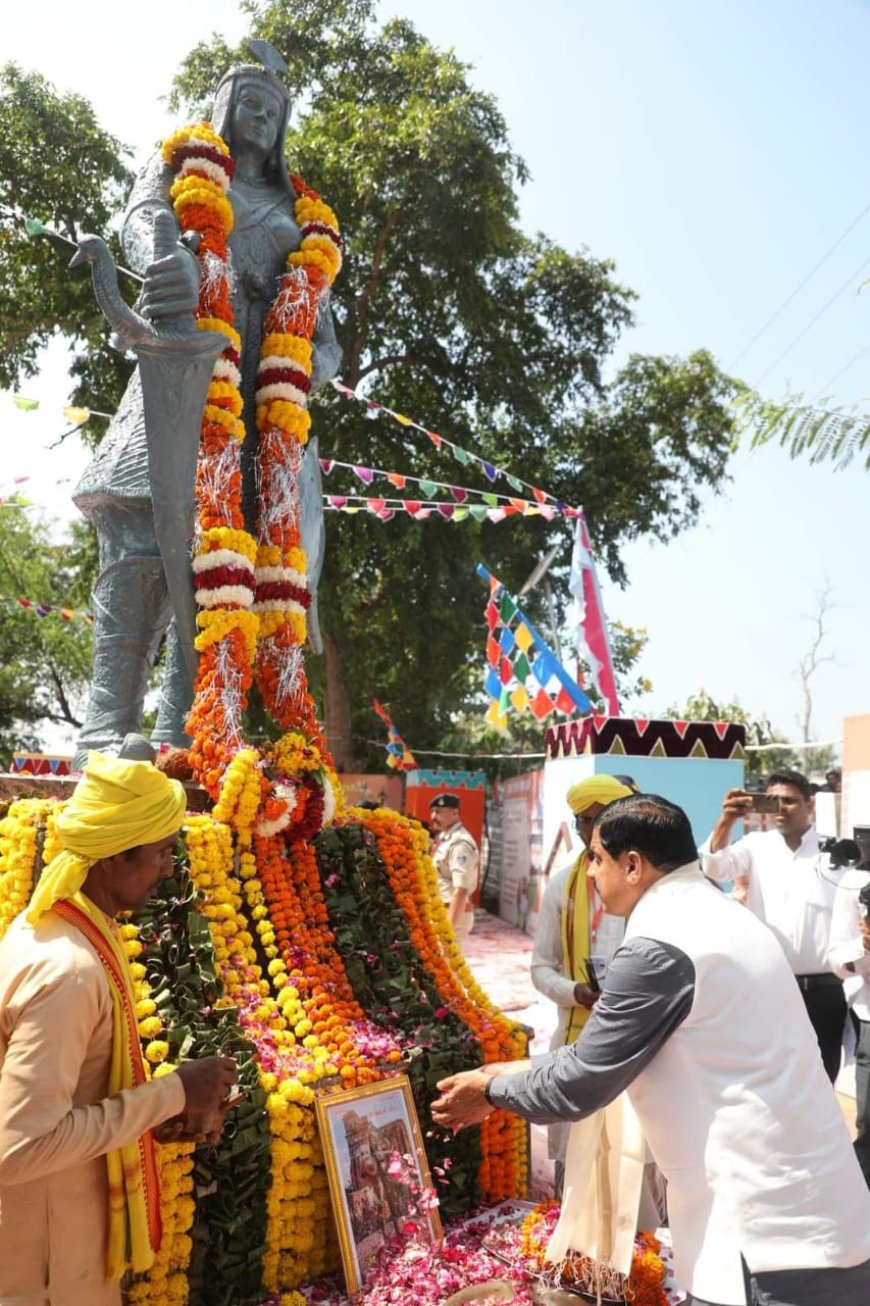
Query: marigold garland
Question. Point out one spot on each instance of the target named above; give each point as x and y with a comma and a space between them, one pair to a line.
643, 1286
403, 844
245, 586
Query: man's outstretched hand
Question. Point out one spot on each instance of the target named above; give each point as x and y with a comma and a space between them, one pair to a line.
462, 1102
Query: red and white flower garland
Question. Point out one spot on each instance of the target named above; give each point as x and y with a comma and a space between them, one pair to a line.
253, 595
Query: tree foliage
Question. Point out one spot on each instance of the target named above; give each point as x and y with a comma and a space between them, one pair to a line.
57, 167
45, 662
818, 431
498, 339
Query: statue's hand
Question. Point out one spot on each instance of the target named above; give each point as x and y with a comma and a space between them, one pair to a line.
171, 285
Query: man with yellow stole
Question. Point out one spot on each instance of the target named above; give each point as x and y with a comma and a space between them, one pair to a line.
572, 928
79, 1198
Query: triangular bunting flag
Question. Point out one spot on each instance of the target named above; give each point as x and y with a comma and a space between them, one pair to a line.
495, 717
520, 699
507, 609
78, 416
525, 638
492, 684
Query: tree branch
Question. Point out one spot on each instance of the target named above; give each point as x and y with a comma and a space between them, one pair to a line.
65, 708
363, 300
389, 360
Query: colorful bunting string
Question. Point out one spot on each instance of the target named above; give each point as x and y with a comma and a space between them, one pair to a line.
45, 609
35, 228
522, 672
74, 413
399, 755
460, 493
463, 456
386, 509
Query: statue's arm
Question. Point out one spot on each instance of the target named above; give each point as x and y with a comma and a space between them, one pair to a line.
171, 283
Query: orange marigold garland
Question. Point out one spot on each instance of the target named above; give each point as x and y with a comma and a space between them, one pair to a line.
244, 587
643, 1286
282, 596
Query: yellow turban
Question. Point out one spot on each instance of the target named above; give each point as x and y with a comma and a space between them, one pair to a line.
115, 806
601, 789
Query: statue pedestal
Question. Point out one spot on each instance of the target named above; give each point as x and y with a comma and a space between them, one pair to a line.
14, 785
692, 763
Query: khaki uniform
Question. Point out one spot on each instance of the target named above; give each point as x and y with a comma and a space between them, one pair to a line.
457, 862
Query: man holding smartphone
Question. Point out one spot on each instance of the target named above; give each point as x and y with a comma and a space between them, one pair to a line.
788, 883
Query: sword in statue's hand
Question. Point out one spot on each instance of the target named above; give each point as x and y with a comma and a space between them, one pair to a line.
176, 362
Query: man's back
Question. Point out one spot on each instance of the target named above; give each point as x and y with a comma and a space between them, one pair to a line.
736, 1104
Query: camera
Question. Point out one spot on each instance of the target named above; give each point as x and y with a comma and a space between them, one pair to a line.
841, 852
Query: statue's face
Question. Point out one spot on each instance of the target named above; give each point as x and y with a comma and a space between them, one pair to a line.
257, 117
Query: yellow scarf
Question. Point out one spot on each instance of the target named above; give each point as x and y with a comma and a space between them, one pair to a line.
116, 806
575, 938
135, 1228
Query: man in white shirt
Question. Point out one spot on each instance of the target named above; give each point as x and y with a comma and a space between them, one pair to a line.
789, 884
849, 956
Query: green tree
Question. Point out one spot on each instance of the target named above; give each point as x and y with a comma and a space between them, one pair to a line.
45, 661
59, 168
497, 339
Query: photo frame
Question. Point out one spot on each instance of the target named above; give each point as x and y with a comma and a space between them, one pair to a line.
379, 1178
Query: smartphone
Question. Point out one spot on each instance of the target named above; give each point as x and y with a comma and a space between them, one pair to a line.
596, 968
765, 804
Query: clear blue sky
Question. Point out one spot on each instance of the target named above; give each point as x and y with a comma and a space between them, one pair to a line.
715, 151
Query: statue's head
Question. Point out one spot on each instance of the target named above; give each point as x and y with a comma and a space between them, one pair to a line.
240, 95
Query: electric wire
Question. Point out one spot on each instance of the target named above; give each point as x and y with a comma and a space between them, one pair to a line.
806, 330
809, 276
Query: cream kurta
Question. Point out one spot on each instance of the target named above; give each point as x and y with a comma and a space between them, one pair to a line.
56, 1123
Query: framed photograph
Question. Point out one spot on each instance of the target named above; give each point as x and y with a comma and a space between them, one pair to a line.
378, 1175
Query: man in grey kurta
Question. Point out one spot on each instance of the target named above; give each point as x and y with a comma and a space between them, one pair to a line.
701, 1022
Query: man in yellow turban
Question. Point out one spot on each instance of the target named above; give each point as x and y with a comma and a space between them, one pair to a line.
79, 1201
573, 928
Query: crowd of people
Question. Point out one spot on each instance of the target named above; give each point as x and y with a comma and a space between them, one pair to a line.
722, 1016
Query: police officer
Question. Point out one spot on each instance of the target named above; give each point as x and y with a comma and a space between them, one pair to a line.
456, 859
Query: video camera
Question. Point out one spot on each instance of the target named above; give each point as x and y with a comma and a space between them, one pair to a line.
841, 852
